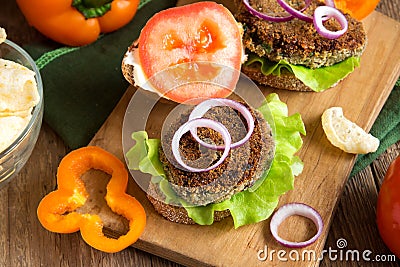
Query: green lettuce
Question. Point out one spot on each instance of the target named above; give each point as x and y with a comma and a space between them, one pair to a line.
248, 206
318, 79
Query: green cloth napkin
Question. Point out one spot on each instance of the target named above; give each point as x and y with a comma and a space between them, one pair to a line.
83, 85
386, 128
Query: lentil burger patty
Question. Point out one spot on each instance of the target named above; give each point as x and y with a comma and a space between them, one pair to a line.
243, 167
296, 41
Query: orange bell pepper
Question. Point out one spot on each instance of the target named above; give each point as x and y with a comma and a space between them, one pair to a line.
77, 22
57, 210
358, 9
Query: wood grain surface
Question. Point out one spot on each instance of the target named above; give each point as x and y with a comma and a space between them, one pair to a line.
26, 243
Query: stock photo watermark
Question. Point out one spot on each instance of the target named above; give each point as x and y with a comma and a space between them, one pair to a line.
340, 253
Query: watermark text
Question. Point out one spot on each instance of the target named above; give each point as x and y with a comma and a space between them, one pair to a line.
341, 253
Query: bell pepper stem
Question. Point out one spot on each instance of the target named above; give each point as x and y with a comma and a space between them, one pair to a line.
92, 8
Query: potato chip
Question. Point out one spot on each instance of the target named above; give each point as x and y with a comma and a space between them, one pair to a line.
11, 128
3, 35
18, 89
20, 113
345, 134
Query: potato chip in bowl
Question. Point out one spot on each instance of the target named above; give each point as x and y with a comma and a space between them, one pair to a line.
18, 88
21, 107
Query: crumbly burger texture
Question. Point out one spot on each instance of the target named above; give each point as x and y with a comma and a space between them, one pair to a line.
128, 69
173, 213
296, 42
240, 170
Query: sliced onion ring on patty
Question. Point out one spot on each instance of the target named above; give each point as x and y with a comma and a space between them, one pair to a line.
194, 124
296, 13
330, 3
206, 105
264, 16
295, 209
321, 14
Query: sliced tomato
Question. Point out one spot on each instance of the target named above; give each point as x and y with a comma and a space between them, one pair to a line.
176, 38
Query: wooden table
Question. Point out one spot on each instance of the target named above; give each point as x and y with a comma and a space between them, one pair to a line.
24, 242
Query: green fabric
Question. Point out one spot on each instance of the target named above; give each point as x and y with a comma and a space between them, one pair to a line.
48, 57
83, 85
386, 128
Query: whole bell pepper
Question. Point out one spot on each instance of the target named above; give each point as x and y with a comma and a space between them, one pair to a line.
57, 211
77, 22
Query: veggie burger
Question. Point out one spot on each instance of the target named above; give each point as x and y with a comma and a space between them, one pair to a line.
299, 50
221, 158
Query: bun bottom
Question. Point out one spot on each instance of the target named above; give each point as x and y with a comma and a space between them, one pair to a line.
127, 72
175, 213
286, 80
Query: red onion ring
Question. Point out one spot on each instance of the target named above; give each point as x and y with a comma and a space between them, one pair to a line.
296, 13
194, 124
206, 105
261, 15
330, 3
295, 209
323, 13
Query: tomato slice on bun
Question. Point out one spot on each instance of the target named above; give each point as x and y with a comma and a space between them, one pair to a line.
195, 42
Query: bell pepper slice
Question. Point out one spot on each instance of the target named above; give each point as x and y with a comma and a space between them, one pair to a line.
57, 210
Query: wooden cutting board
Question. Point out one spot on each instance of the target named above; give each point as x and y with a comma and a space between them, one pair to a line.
326, 169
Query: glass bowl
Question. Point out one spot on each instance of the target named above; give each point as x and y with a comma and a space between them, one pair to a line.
13, 158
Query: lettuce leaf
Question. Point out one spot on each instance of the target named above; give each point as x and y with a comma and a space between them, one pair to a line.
248, 206
318, 79
143, 156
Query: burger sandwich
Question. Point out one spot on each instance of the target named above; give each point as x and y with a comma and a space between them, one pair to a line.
201, 174
312, 48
